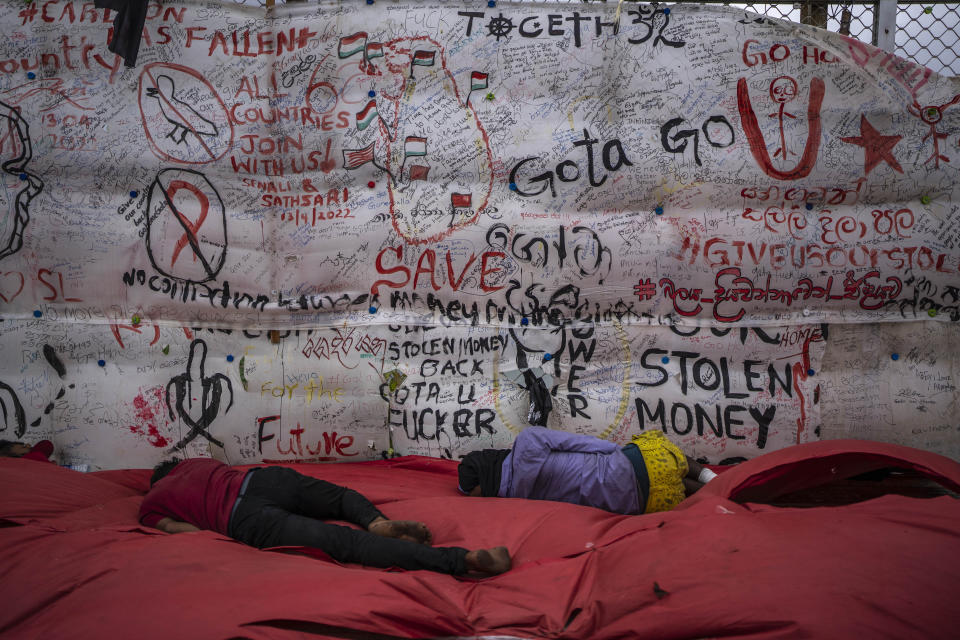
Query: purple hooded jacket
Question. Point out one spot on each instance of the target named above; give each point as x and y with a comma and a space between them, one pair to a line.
567, 467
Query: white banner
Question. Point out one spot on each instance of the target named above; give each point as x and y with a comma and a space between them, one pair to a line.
448, 194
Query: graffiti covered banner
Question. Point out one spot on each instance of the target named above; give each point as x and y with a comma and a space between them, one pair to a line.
474, 164
656, 213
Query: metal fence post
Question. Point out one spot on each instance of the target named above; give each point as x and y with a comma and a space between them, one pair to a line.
885, 27
814, 13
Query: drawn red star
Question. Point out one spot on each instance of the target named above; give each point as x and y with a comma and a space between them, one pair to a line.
876, 147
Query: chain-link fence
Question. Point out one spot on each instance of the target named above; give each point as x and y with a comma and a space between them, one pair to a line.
851, 19
927, 33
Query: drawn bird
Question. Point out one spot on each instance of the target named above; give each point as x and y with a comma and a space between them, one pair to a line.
181, 115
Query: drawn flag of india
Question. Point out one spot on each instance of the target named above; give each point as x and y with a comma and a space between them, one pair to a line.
414, 146
374, 50
350, 45
365, 117
424, 58
478, 81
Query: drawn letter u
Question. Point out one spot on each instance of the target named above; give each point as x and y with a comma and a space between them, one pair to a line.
758, 147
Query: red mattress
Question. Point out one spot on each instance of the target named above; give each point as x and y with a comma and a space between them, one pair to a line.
76, 564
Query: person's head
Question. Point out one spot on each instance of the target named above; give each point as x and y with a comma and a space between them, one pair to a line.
162, 469
11, 449
468, 478
479, 472
469, 473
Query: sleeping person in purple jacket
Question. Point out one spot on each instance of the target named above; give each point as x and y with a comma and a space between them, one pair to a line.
649, 474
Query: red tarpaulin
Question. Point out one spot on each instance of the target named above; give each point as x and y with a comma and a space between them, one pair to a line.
76, 564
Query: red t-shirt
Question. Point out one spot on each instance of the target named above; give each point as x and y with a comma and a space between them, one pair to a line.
40, 451
200, 491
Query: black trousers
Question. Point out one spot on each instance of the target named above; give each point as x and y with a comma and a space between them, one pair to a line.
281, 507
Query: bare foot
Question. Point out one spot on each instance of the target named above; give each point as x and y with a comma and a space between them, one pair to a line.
491, 561
402, 529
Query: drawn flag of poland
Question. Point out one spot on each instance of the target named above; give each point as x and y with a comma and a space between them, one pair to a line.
478, 81
374, 50
461, 200
418, 172
424, 58
353, 158
365, 117
414, 146
350, 45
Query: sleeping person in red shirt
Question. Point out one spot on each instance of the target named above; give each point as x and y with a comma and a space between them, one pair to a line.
40, 451
278, 507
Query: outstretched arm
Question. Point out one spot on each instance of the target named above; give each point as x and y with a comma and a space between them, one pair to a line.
175, 526
697, 476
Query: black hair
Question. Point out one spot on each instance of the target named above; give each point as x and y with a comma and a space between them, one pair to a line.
482, 468
6, 445
162, 469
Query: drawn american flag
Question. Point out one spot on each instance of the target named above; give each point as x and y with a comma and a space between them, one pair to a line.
353, 158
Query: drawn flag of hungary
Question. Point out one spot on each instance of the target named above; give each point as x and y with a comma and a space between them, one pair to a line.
414, 146
424, 58
478, 81
374, 50
350, 45
365, 117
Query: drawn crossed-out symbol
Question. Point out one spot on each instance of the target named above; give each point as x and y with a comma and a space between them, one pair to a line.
185, 211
